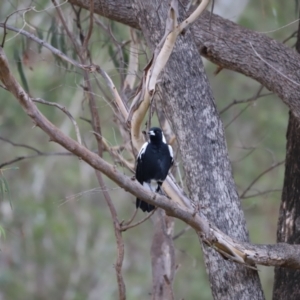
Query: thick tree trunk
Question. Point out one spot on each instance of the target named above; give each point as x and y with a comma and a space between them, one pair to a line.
287, 281
189, 103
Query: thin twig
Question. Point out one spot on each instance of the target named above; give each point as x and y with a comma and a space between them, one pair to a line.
290, 36
131, 219
88, 36
115, 154
5, 25
259, 176
182, 232
261, 193
54, 50
20, 145
126, 227
251, 99
108, 30
62, 108
235, 117
65, 26
19, 158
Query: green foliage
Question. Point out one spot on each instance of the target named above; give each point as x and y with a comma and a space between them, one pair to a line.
4, 187
18, 60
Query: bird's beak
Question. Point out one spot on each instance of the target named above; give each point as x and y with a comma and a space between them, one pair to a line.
151, 132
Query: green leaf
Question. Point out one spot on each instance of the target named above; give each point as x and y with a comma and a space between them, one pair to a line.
2, 188
62, 43
2, 232
20, 70
7, 190
112, 55
40, 36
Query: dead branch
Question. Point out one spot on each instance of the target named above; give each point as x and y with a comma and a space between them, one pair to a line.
128, 226
257, 95
19, 158
259, 176
89, 34
62, 108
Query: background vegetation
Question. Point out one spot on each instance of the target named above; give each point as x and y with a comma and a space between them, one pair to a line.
59, 241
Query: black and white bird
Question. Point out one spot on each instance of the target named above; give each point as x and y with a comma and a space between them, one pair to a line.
153, 163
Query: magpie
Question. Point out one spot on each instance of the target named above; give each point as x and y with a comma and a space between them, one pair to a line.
153, 163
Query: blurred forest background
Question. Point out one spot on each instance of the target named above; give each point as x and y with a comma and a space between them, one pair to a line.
57, 240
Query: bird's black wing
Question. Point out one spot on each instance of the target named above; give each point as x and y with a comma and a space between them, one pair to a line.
139, 164
140, 176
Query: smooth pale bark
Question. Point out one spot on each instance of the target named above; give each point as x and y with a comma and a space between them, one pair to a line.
189, 103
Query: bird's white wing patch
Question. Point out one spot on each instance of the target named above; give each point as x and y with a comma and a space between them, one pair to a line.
163, 138
142, 150
171, 151
151, 186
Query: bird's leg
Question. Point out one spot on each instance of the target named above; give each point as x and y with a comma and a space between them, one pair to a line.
159, 189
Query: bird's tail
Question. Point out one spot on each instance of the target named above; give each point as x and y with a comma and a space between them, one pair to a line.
144, 206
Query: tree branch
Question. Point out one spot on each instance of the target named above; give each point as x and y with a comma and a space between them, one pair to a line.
217, 41
273, 255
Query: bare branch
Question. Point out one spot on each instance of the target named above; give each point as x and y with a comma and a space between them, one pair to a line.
126, 227
259, 176
63, 21
261, 193
19, 158
258, 95
55, 51
88, 36
20, 145
182, 232
62, 108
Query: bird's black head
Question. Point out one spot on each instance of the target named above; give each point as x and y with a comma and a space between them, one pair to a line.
156, 135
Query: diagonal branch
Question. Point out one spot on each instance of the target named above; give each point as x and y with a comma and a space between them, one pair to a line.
62, 108
283, 255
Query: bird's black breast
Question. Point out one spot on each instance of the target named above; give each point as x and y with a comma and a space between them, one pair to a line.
154, 163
